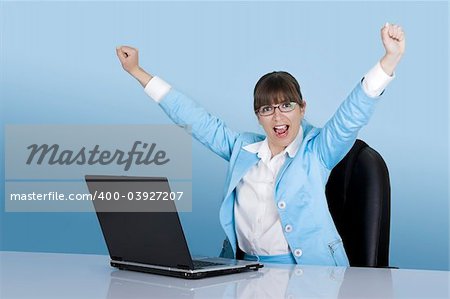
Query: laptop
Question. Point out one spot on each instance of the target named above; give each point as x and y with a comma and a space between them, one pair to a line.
150, 241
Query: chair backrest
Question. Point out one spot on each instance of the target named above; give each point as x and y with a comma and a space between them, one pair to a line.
359, 194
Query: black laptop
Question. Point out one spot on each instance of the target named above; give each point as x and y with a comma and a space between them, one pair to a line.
150, 241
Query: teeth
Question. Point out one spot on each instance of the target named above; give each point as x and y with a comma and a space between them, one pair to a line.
281, 129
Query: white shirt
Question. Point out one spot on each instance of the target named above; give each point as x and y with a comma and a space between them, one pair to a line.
258, 225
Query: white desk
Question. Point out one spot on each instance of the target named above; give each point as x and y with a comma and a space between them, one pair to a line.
48, 275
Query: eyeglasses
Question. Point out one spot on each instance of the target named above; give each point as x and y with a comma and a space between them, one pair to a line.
270, 109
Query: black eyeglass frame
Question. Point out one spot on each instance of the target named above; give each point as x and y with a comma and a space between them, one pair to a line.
292, 104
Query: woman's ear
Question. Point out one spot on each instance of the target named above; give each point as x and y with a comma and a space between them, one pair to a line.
303, 107
258, 118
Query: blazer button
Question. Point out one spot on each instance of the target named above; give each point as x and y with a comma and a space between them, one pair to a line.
298, 252
281, 205
288, 228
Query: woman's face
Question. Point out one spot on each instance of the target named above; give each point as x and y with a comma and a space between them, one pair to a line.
282, 127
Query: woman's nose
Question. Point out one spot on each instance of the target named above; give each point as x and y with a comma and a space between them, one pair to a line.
277, 113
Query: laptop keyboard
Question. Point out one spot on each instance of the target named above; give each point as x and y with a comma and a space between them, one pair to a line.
202, 264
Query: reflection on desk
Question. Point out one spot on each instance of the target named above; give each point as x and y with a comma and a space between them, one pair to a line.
46, 275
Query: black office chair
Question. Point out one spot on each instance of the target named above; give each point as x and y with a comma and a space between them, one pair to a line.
359, 198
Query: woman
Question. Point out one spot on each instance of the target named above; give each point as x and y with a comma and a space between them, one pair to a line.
275, 208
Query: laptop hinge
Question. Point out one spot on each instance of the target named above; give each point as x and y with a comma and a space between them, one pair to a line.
116, 258
184, 267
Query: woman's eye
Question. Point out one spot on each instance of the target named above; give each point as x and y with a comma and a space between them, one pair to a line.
266, 109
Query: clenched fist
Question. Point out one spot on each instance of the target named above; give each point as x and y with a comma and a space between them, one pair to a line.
393, 39
129, 58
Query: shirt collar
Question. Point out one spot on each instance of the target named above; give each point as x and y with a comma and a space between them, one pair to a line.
262, 149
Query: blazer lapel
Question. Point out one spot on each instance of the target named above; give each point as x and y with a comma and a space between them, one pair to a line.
282, 170
243, 163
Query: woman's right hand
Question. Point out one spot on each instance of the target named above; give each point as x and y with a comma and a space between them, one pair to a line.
129, 58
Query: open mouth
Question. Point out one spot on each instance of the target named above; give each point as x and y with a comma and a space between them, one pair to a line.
281, 131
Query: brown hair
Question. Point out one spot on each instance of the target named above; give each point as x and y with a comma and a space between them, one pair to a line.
276, 87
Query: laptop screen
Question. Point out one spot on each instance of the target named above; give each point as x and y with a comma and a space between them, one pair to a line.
153, 237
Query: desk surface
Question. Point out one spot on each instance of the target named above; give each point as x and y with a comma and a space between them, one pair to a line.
48, 275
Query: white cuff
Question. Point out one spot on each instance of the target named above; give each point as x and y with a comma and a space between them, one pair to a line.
376, 80
157, 88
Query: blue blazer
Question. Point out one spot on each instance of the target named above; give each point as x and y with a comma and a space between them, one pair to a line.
301, 180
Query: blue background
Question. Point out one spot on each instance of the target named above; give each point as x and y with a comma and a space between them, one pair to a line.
58, 66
